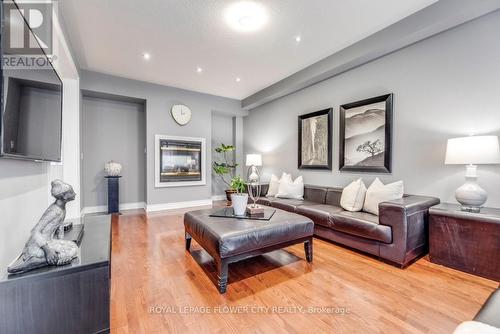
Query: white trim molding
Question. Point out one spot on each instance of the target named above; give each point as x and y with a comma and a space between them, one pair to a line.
177, 205
104, 208
159, 184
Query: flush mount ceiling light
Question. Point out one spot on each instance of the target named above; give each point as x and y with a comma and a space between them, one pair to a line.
199, 70
245, 16
146, 56
238, 79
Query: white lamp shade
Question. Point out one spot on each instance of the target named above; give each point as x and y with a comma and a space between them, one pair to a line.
254, 160
474, 150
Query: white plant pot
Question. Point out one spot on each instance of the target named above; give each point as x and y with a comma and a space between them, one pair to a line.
239, 203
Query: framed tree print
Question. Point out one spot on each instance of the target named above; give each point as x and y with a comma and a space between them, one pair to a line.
315, 140
365, 135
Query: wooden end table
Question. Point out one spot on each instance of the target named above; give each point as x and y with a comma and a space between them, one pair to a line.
465, 241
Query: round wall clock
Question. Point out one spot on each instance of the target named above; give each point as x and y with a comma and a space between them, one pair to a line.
181, 114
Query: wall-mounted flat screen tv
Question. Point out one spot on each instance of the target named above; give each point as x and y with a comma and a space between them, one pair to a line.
31, 118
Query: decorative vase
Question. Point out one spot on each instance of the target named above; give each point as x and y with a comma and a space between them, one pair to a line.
113, 168
240, 202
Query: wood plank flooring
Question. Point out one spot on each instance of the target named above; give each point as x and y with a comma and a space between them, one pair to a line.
158, 287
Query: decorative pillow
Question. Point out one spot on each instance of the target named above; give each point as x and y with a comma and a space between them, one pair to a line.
274, 184
378, 193
289, 189
353, 196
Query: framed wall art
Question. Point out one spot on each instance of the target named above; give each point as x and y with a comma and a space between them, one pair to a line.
366, 134
315, 140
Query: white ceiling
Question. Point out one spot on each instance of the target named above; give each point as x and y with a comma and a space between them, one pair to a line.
110, 36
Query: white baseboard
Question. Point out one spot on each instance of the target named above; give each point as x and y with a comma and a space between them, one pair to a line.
104, 208
219, 198
177, 205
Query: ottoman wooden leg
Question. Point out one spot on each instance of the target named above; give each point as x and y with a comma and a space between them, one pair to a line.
222, 269
308, 248
188, 241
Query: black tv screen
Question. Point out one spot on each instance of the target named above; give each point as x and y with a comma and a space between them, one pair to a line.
31, 121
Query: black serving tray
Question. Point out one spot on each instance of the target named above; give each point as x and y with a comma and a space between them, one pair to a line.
229, 213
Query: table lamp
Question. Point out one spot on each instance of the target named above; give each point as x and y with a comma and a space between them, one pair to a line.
472, 151
253, 161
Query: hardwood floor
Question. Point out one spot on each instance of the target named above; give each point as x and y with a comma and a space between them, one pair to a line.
158, 287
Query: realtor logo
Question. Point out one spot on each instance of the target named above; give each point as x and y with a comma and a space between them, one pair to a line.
18, 39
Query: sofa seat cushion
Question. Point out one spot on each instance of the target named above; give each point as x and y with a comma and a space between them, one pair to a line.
289, 204
361, 224
319, 213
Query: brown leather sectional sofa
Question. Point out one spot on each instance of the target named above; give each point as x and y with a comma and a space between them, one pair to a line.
398, 235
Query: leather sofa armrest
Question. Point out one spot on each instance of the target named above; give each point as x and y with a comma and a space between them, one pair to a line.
409, 205
408, 218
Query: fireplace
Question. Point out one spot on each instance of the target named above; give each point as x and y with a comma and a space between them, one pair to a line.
180, 161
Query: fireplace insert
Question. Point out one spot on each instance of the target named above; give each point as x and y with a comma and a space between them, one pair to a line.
180, 161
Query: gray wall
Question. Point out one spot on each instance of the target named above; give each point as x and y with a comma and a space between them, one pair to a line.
159, 100
23, 198
222, 132
113, 130
443, 87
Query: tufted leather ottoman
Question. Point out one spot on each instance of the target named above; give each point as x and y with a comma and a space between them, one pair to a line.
230, 240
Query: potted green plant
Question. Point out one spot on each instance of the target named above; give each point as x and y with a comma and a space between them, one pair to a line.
239, 199
225, 166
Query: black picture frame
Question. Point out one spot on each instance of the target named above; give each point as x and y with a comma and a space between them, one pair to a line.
301, 118
387, 168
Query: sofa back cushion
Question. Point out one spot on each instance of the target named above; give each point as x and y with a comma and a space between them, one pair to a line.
315, 194
264, 189
333, 196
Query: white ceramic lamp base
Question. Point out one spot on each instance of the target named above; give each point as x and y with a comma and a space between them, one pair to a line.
470, 195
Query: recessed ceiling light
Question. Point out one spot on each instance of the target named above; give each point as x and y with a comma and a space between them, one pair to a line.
238, 79
199, 70
146, 56
245, 16
298, 39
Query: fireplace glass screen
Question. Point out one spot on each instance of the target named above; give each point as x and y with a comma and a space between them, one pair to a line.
180, 161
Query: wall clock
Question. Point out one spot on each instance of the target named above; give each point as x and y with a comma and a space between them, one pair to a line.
181, 114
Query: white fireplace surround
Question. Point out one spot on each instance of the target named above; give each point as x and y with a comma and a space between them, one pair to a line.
159, 184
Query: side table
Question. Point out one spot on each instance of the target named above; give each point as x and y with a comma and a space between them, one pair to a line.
465, 241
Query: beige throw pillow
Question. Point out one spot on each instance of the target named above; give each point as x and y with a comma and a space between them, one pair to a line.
353, 196
378, 193
291, 189
274, 184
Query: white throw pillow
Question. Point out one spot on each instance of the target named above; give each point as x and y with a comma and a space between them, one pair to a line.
289, 189
353, 196
274, 184
378, 193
